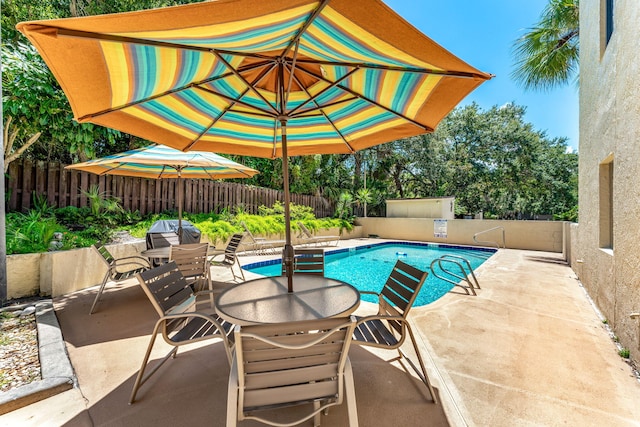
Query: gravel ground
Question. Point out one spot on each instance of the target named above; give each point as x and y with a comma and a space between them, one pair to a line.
19, 361
19, 358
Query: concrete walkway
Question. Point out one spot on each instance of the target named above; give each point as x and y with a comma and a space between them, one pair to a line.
528, 350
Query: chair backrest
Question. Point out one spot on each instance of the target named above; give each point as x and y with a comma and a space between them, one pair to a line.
288, 363
162, 240
304, 231
307, 261
104, 253
248, 233
400, 291
191, 258
232, 248
167, 289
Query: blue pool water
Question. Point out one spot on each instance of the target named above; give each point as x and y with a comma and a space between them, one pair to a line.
367, 267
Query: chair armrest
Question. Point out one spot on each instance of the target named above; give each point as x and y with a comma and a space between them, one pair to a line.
369, 293
381, 317
135, 259
212, 257
129, 265
188, 314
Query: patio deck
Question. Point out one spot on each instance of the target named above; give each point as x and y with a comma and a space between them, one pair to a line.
528, 350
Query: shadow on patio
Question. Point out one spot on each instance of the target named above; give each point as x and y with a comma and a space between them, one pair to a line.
106, 350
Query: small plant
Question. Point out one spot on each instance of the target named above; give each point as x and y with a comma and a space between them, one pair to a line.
605, 321
624, 353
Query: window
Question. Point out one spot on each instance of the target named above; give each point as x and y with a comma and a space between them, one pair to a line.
606, 203
606, 22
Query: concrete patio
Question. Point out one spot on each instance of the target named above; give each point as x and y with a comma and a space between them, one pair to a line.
528, 350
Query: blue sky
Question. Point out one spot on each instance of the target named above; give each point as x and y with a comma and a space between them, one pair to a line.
482, 34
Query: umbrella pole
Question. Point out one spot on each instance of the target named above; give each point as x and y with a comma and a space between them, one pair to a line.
179, 182
287, 253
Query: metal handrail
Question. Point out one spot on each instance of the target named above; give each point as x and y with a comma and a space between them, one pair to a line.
470, 289
468, 265
490, 242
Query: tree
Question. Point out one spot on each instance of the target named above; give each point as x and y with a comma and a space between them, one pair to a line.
9, 139
33, 97
547, 56
492, 161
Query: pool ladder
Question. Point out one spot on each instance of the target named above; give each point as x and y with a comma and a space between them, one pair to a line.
464, 272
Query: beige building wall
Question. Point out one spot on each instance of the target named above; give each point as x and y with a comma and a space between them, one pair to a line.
530, 235
440, 207
605, 243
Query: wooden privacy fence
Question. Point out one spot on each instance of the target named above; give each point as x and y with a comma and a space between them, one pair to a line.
65, 188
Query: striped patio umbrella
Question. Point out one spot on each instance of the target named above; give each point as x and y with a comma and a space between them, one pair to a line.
161, 162
261, 78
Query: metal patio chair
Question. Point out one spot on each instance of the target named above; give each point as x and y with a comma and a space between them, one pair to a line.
192, 260
118, 269
285, 364
260, 245
307, 261
308, 238
390, 327
229, 257
179, 323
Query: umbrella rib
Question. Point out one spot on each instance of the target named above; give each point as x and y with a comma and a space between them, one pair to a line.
371, 101
215, 120
151, 98
306, 25
314, 97
241, 77
328, 119
134, 40
291, 72
305, 113
256, 81
433, 71
125, 39
234, 101
169, 92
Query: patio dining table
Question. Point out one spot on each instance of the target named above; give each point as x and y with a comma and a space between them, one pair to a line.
266, 300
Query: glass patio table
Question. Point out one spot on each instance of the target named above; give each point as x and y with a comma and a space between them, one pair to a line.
266, 300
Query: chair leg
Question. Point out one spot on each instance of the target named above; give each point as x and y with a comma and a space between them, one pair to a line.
316, 417
102, 285
423, 375
350, 394
140, 378
232, 395
237, 262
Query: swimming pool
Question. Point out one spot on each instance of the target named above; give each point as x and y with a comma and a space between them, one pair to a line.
367, 267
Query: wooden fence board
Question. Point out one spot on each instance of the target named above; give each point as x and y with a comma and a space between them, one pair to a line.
63, 187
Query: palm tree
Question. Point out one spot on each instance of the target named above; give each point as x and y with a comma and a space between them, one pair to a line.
547, 55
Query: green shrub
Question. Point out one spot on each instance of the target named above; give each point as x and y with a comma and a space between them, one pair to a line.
82, 227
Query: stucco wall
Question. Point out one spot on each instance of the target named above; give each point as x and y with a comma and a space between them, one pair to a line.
442, 207
532, 235
63, 272
610, 126
58, 273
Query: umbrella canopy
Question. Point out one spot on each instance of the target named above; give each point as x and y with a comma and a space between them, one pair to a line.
160, 162
256, 77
